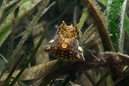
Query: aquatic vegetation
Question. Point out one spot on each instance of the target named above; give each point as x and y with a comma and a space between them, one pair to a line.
90, 47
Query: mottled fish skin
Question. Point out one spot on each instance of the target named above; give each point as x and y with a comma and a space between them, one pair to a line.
66, 45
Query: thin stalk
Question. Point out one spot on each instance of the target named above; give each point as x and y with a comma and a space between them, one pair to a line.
6, 61
122, 31
126, 24
82, 19
11, 2
88, 32
2, 8
101, 24
75, 15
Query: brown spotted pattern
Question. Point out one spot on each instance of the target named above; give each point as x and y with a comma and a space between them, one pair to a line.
66, 45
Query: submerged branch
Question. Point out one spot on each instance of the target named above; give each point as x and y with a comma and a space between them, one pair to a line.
102, 60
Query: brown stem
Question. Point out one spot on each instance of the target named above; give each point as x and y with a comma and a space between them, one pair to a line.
104, 59
100, 22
